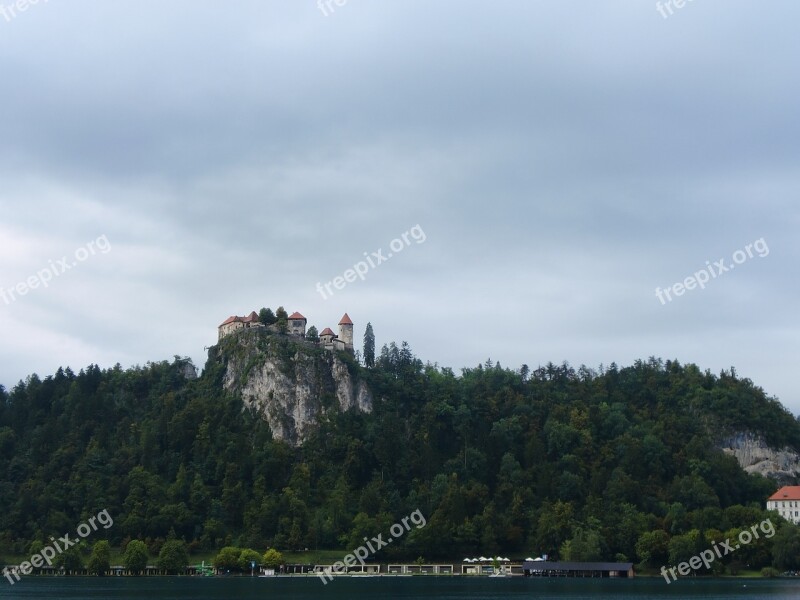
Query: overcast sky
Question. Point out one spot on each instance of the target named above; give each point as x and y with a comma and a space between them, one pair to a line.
561, 160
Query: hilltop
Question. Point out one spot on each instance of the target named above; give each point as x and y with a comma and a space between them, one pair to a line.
280, 443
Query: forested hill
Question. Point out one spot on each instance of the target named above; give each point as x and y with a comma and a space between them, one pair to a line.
499, 461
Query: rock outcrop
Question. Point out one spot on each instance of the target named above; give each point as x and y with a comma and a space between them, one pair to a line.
291, 383
755, 456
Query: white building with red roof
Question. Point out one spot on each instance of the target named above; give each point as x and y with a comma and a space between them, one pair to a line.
786, 501
327, 336
346, 331
232, 324
297, 324
344, 341
296, 327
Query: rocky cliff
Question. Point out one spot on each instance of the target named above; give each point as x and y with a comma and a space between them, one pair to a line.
755, 456
290, 382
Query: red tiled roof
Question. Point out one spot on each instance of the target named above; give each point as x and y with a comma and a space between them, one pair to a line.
788, 492
297, 315
327, 331
251, 318
345, 320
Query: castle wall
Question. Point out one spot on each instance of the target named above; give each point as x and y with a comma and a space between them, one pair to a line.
297, 327
346, 335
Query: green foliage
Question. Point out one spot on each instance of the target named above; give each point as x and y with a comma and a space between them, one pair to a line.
266, 316
173, 557
247, 558
683, 547
652, 548
135, 557
544, 461
786, 548
282, 320
71, 559
312, 335
369, 347
35, 547
228, 558
232, 558
584, 546
272, 559
770, 572
100, 560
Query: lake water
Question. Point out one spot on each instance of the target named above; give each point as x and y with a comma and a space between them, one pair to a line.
386, 588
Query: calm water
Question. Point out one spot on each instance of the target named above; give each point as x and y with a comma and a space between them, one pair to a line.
386, 588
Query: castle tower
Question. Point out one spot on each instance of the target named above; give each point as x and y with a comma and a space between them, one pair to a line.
346, 331
326, 337
297, 324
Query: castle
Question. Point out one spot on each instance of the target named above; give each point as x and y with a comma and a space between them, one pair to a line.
296, 327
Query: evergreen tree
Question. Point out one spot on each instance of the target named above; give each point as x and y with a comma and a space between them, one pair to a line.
266, 316
312, 335
369, 347
497, 465
282, 319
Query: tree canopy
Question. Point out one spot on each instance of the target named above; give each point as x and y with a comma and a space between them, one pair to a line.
618, 461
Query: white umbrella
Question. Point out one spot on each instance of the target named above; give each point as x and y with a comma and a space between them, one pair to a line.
530, 559
483, 559
505, 560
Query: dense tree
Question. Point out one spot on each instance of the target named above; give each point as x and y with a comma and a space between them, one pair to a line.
652, 548
228, 558
249, 559
282, 320
135, 557
71, 560
786, 548
554, 461
173, 557
100, 560
369, 347
312, 335
35, 548
272, 559
266, 316
584, 546
683, 547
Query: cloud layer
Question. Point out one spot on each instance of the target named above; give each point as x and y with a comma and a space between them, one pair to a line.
563, 160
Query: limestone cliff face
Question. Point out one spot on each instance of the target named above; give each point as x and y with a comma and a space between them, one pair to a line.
290, 382
755, 456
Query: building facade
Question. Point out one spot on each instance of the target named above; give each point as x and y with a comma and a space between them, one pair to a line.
296, 327
297, 324
786, 502
233, 324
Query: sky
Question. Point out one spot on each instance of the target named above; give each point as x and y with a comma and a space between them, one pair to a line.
524, 182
